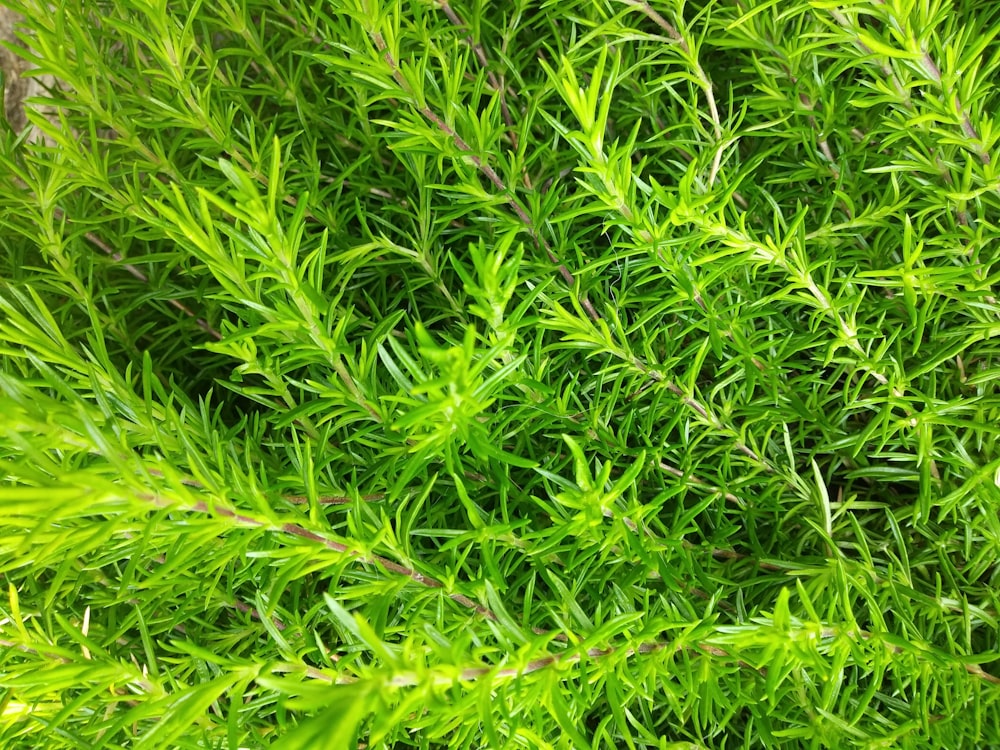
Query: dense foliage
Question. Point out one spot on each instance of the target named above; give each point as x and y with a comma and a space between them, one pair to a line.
577, 374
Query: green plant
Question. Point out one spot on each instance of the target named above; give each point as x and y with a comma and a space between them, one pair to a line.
591, 374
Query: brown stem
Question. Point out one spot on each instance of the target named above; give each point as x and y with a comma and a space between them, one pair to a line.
176, 304
679, 40
238, 604
294, 529
933, 72
662, 22
484, 168
700, 482
701, 411
484, 62
570, 657
333, 499
97, 242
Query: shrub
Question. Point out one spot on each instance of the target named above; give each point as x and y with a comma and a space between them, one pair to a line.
580, 374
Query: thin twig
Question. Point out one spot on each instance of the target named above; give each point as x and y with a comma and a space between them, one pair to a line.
933, 72
700, 482
333, 499
297, 530
480, 53
97, 242
569, 657
681, 42
132, 269
484, 168
236, 603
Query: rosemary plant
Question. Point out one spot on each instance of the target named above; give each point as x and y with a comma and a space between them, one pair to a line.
528, 374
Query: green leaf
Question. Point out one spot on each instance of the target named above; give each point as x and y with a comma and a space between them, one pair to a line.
336, 726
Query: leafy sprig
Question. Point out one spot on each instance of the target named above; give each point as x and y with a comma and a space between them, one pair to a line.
577, 374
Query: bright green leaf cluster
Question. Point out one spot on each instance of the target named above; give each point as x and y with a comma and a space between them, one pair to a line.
578, 374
